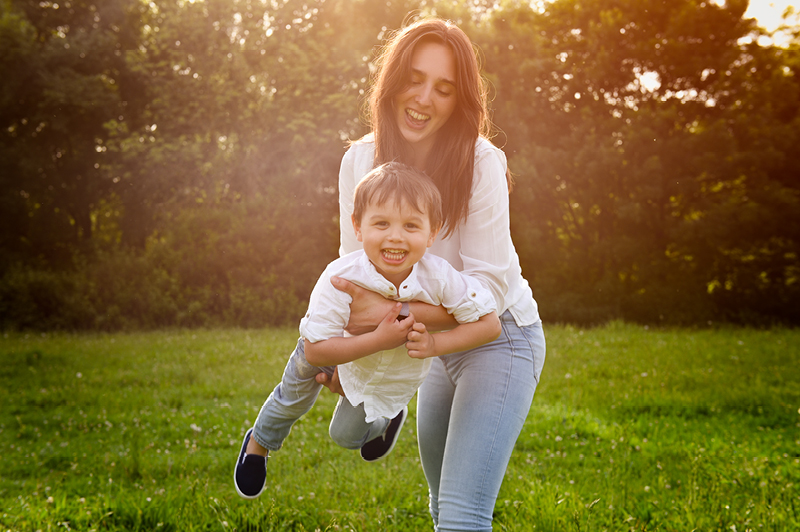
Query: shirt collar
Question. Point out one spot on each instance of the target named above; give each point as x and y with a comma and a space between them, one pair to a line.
409, 287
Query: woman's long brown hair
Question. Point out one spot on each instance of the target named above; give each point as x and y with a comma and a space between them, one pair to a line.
452, 159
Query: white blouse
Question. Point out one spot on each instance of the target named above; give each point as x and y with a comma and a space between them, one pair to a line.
386, 381
481, 247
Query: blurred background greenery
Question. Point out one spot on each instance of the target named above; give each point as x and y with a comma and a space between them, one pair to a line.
174, 163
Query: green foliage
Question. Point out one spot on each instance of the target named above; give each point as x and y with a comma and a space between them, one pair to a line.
632, 428
238, 264
40, 299
650, 202
64, 68
652, 142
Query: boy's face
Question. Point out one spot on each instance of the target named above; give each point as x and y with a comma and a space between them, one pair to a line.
395, 237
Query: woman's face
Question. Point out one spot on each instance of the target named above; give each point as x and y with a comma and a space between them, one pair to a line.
427, 103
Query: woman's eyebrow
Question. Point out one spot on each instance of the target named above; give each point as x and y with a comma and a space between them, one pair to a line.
424, 75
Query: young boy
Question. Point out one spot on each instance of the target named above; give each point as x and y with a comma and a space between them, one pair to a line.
397, 215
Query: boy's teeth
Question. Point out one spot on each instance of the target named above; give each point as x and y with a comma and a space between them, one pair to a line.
394, 253
416, 116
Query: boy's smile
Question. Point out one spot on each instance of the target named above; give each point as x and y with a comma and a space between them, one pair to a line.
395, 237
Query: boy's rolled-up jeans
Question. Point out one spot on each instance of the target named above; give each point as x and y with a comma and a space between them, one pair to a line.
294, 396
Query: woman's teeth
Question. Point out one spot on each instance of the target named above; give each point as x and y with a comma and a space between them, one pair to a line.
417, 116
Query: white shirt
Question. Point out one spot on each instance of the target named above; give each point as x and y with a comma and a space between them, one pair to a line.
386, 381
480, 247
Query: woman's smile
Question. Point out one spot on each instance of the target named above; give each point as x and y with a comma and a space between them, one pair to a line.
426, 104
416, 118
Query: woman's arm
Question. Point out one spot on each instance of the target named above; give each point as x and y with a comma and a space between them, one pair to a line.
423, 344
485, 245
389, 334
435, 318
369, 308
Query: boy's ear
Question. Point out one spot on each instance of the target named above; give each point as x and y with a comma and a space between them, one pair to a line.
356, 226
434, 233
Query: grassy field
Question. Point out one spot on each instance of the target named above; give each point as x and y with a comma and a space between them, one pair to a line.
631, 429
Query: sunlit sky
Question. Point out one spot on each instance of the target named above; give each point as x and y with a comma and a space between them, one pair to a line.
769, 13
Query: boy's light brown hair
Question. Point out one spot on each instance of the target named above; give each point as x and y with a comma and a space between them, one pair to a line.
400, 183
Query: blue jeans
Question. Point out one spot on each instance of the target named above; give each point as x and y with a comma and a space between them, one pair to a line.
296, 394
470, 411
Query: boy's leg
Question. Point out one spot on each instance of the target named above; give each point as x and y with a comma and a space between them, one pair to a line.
288, 402
349, 428
376, 440
292, 398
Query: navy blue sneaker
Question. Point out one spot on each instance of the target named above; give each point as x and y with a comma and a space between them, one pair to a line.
250, 474
378, 448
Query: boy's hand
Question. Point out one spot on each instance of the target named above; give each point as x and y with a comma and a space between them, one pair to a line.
393, 332
420, 342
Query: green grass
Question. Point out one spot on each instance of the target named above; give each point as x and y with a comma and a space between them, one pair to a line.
631, 429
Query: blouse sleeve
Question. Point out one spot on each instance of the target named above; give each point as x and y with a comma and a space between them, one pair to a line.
347, 185
485, 237
465, 297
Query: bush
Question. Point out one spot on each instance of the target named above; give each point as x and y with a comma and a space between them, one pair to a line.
44, 300
222, 265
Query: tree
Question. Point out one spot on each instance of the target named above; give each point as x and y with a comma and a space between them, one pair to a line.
67, 78
617, 112
652, 144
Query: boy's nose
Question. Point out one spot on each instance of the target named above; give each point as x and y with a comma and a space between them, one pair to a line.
395, 235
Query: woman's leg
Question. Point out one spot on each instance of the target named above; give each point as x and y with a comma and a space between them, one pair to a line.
434, 401
465, 448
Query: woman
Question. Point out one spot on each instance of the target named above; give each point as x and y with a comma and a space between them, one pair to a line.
428, 109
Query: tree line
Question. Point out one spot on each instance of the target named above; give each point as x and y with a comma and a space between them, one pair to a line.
174, 162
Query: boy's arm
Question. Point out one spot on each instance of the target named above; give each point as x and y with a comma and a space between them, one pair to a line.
422, 344
389, 334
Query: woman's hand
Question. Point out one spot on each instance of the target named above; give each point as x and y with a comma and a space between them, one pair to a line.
331, 383
367, 309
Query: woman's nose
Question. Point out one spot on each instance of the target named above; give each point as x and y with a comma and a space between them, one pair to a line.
423, 96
